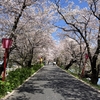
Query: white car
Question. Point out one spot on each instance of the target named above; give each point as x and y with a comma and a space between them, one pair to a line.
1, 62
54, 63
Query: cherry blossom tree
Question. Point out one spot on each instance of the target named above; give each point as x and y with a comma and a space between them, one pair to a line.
29, 24
83, 23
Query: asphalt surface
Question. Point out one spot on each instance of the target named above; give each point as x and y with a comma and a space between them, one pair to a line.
52, 83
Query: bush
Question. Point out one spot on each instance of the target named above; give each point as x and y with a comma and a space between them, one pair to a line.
16, 78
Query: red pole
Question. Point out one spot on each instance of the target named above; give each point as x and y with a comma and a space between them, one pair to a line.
5, 56
83, 70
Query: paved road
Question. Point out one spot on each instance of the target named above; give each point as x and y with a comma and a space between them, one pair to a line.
52, 83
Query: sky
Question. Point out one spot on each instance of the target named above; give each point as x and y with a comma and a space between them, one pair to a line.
61, 23
81, 5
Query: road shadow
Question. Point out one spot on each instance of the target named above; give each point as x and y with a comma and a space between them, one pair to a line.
60, 82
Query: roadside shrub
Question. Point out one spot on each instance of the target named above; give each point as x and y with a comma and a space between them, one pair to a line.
16, 78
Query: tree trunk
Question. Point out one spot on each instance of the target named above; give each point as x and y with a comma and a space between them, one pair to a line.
29, 60
94, 76
28, 63
70, 64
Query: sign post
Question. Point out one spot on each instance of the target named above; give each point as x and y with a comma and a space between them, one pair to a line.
6, 43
